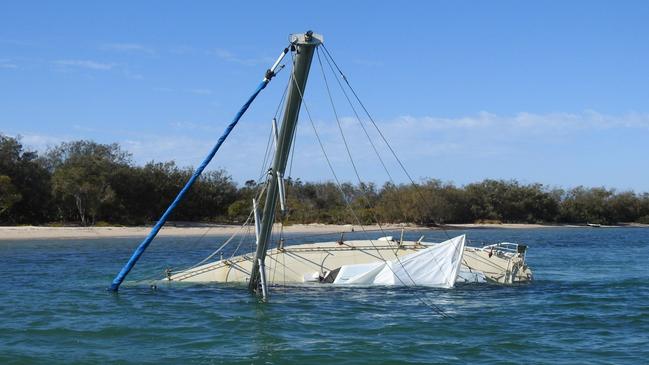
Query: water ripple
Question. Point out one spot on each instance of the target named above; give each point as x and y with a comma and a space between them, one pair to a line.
589, 304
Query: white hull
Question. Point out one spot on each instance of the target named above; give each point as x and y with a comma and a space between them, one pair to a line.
311, 262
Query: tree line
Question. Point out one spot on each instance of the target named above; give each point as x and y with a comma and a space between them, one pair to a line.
88, 183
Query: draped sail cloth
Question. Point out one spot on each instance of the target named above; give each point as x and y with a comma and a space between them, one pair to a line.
436, 266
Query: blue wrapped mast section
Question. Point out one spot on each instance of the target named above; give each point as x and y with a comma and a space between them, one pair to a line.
154, 231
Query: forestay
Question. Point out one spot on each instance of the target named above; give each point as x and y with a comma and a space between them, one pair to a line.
436, 266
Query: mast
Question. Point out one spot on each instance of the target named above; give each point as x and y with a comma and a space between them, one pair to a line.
305, 45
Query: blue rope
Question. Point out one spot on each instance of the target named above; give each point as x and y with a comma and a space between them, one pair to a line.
154, 231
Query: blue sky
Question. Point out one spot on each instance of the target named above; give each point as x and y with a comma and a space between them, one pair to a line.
550, 92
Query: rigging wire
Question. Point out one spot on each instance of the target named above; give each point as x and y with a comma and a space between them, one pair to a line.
394, 154
243, 226
171, 270
347, 149
351, 160
270, 141
263, 170
285, 215
260, 190
432, 306
367, 135
220, 247
349, 155
243, 237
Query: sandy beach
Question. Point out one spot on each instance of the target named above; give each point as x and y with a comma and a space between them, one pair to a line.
44, 232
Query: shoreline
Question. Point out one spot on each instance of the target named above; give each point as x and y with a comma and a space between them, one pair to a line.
193, 230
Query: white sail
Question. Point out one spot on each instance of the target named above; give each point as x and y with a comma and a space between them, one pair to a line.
436, 266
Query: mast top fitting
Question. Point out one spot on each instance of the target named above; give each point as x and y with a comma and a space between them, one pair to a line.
306, 38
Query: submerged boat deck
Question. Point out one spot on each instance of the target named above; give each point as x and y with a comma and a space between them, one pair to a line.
312, 261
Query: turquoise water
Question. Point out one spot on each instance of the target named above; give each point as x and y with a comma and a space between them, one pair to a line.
588, 304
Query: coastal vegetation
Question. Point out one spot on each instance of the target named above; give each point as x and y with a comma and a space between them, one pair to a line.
88, 183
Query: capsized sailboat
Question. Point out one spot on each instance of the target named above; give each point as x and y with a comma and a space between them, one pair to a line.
345, 263
374, 260
334, 263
